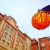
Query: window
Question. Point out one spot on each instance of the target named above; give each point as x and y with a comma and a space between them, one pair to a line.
11, 31
7, 44
9, 37
30, 47
15, 48
26, 48
0, 21
20, 38
37, 46
23, 47
16, 41
5, 35
3, 41
43, 48
23, 41
17, 36
26, 44
7, 28
49, 41
43, 43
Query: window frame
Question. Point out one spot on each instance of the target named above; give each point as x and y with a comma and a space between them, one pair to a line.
11, 30
7, 28
3, 41
17, 36
7, 44
0, 21
5, 34
43, 43
9, 37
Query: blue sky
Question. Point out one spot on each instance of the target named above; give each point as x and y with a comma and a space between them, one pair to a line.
22, 11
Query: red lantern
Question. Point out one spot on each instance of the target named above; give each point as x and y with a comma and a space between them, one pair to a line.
49, 17
40, 21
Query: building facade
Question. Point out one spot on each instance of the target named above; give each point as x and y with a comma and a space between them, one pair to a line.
27, 42
11, 38
44, 43
34, 45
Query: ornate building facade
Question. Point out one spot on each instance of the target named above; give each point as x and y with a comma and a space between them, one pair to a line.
11, 38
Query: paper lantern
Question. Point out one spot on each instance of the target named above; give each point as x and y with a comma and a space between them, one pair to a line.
49, 17
40, 21
47, 9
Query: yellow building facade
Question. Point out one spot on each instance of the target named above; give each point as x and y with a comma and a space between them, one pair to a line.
28, 42
11, 38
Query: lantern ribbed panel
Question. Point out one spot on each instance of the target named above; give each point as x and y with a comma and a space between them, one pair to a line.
40, 21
